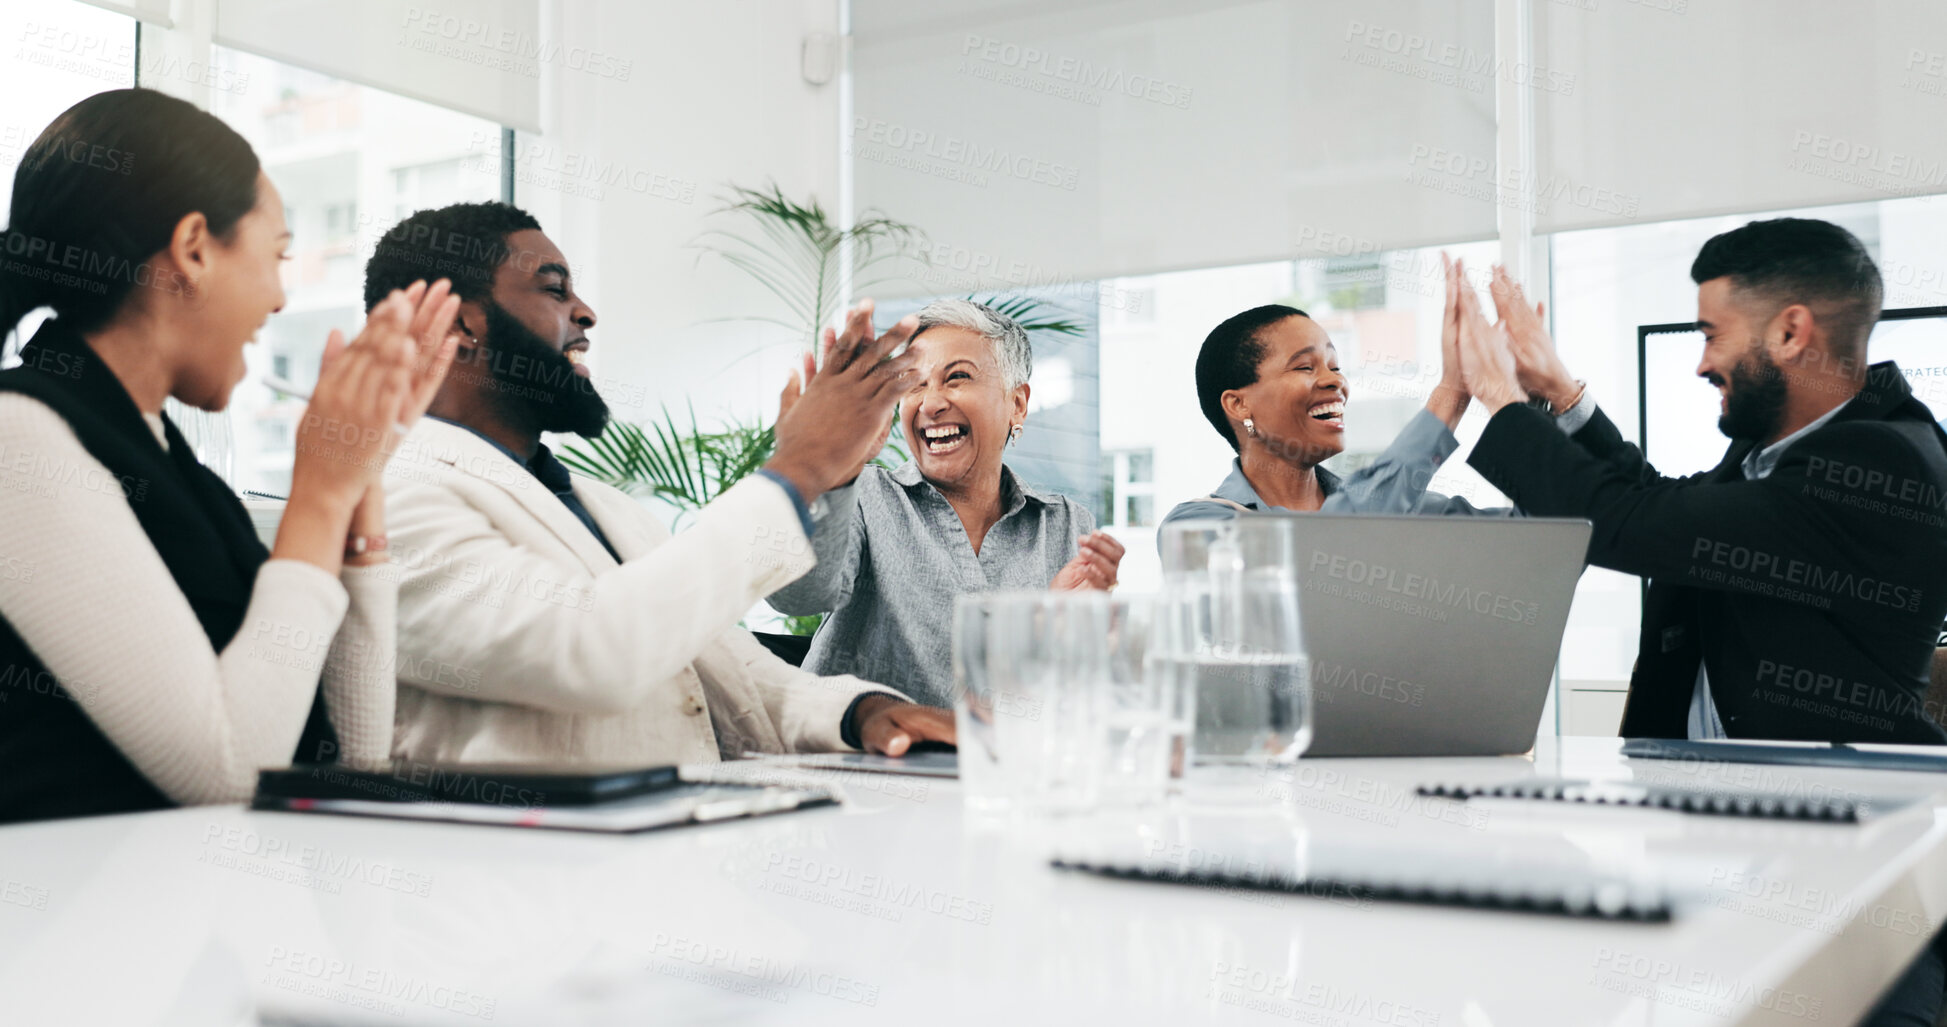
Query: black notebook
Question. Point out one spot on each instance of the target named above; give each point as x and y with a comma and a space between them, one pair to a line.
490, 784
612, 800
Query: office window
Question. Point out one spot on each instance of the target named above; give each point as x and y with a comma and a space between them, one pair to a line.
59, 52
1129, 488
1353, 283
337, 152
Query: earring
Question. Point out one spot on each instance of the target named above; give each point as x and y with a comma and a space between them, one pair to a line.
1249, 428
1014, 435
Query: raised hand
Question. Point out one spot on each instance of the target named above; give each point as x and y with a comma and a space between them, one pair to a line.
434, 343
835, 417
1094, 567
1449, 399
368, 389
1486, 360
1541, 370
348, 428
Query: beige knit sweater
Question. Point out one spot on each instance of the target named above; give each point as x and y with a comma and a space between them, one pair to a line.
82, 585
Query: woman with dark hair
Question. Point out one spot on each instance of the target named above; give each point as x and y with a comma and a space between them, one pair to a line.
1268, 380
152, 653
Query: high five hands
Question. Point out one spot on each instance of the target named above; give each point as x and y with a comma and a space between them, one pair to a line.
1511, 359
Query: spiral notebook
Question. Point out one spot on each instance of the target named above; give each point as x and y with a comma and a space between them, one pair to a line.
1721, 802
1417, 877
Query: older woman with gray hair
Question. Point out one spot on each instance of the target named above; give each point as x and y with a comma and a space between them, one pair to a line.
895, 547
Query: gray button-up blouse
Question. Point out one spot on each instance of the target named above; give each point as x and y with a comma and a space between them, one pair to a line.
892, 555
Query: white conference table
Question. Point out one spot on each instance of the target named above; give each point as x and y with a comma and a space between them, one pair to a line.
897, 908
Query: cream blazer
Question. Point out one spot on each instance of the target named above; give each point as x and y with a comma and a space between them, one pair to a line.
522, 640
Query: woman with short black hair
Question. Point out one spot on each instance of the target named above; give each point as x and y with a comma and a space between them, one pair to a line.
152, 653
1268, 381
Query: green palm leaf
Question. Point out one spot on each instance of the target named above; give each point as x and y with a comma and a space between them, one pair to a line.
805, 259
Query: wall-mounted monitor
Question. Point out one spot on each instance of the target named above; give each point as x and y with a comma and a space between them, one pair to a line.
1679, 410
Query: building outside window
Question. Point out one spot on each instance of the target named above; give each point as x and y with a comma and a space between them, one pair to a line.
350, 161
1129, 488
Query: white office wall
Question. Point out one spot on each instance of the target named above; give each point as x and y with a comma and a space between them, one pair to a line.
627, 171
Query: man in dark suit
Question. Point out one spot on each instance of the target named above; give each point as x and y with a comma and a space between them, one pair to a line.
1796, 590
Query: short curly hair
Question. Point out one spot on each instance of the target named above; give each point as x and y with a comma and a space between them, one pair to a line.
1010, 341
464, 242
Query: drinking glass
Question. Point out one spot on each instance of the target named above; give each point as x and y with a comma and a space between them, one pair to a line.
1061, 704
1146, 731
1031, 672
1229, 638
975, 707
1047, 656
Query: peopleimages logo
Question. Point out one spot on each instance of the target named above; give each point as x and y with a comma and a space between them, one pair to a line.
1034, 61
1692, 987
1426, 588
1448, 64
893, 143
479, 42
1781, 574
1451, 170
1864, 164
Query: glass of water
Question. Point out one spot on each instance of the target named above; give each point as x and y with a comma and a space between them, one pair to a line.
1145, 729
1060, 703
1229, 638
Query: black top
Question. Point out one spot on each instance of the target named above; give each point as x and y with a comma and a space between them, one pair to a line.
54, 761
1812, 596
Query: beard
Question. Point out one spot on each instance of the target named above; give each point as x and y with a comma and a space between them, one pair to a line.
1756, 402
534, 377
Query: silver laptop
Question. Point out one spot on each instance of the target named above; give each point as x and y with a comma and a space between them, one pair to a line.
1433, 636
